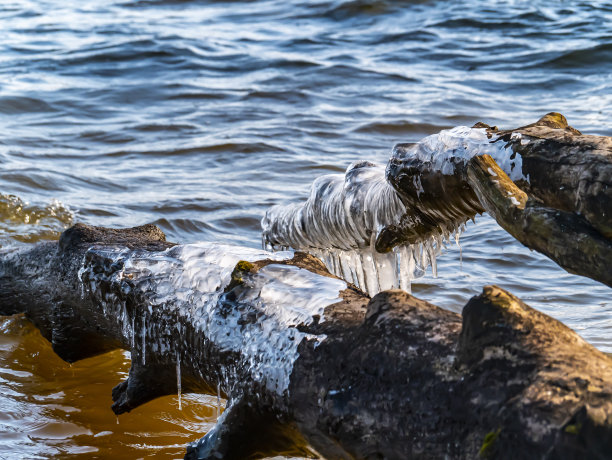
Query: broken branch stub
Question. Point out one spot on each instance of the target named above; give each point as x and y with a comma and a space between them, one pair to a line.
562, 236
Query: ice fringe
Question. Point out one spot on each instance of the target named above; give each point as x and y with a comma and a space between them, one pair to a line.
190, 281
344, 214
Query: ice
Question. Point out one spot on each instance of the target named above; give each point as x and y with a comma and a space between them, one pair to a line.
178, 379
218, 400
344, 214
185, 285
458, 145
339, 223
374, 272
133, 340
144, 339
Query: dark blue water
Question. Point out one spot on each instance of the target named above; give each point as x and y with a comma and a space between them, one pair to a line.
198, 116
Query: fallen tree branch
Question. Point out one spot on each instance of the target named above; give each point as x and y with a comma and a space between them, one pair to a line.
425, 195
563, 236
309, 364
564, 185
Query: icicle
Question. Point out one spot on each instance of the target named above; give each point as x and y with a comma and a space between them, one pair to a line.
386, 270
406, 265
178, 379
144, 338
457, 233
431, 255
133, 331
369, 273
356, 262
218, 400
117, 420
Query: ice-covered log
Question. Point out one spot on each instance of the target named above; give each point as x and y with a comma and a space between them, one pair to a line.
309, 364
560, 168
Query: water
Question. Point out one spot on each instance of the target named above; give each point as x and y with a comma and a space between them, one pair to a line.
199, 116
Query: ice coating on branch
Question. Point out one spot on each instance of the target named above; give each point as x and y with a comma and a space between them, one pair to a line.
343, 211
458, 145
258, 322
339, 223
344, 215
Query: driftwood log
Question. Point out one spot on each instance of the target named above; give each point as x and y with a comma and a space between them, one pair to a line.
565, 209
390, 377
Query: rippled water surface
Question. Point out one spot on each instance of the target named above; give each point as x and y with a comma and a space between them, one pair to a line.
198, 116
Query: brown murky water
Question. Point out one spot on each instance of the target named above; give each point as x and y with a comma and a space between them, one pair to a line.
52, 409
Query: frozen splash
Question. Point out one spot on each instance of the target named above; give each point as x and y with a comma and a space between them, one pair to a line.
186, 284
339, 224
344, 214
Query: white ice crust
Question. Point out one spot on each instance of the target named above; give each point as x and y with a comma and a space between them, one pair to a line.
192, 278
443, 150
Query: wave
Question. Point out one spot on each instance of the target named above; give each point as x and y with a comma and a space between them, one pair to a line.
12, 105
20, 221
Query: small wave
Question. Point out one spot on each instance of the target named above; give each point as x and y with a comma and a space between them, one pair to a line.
12, 105
227, 147
355, 8
582, 59
398, 127
161, 127
20, 221
146, 3
483, 24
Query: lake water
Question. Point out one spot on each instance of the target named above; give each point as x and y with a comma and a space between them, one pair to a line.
198, 116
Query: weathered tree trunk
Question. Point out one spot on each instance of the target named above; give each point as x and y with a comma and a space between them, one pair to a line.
309, 364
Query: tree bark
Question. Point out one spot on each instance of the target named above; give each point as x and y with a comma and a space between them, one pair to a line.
563, 236
309, 364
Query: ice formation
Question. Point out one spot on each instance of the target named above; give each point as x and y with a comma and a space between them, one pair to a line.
258, 322
443, 151
178, 379
344, 214
218, 401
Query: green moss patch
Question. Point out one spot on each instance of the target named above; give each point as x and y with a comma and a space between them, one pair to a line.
488, 444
